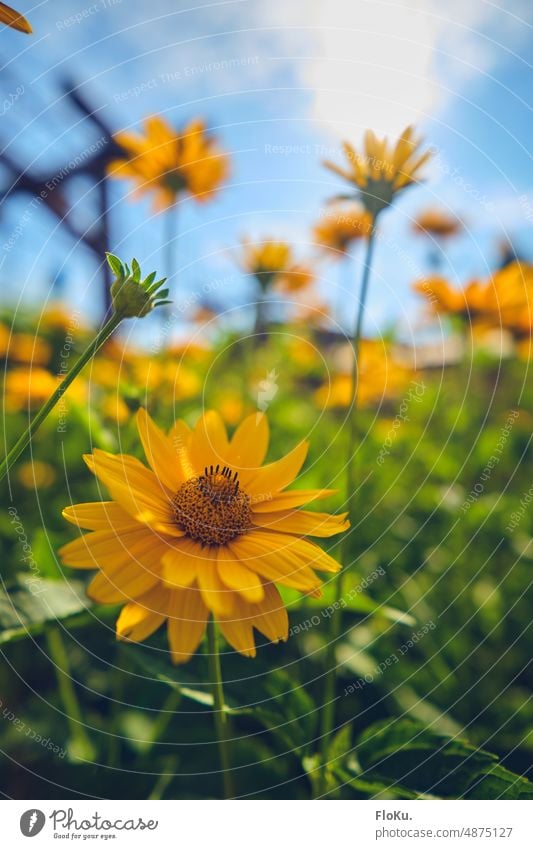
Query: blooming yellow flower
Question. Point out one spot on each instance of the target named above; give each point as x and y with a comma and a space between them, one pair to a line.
383, 169
206, 530
168, 163
14, 19
437, 223
340, 226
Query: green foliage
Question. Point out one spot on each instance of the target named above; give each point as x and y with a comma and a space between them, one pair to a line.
421, 711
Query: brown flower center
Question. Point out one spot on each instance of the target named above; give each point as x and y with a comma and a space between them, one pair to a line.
212, 508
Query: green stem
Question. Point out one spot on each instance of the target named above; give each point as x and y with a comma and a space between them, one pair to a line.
24, 440
219, 709
328, 709
58, 655
166, 714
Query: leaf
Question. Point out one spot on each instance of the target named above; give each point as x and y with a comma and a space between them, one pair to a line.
115, 264
288, 711
359, 603
34, 601
159, 671
407, 753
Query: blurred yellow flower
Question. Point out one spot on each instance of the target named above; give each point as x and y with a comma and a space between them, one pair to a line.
340, 226
57, 317
231, 407
31, 387
446, 299
168, 163
28, 387
504, 301
383, 169
207, 530
436, 222
266, 260
23, 347
36, 474
274, 263
14, 19
26, 348
299, 276
115, 408
379, 377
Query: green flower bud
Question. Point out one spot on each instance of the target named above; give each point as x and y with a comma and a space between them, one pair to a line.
131, 296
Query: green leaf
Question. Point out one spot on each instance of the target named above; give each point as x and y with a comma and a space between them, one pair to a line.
115, 264
407, 753
34, 601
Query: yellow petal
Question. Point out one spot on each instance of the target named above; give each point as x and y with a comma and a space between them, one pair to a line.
160, 453
274, 557
209, 441
238, 577
99, 515
14, 19
186, 623
139, 619
249, 445
92, 550
263, 483
270, 616
180, 436
303, 522
126, 584
238, 630
337, 169
288, 500
215, 594
136, 488
182, 563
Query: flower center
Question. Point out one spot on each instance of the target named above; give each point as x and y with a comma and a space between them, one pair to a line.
211, 508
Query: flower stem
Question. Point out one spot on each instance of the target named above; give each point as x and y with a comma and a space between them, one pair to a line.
24, 440
328, 709
58, 655
219, 709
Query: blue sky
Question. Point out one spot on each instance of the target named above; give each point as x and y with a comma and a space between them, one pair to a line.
280, 83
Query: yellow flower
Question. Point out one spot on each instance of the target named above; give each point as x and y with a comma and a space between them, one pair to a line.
14, 19
57, 318
446, 299
380, 376
207, 530
340, 226
266, 260
168, 163
31, 387
299, 276
436, 222
28, 387
383, 169
26, 348
504, 301
36, 474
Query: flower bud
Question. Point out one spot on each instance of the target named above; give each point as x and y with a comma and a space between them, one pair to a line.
131, 296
